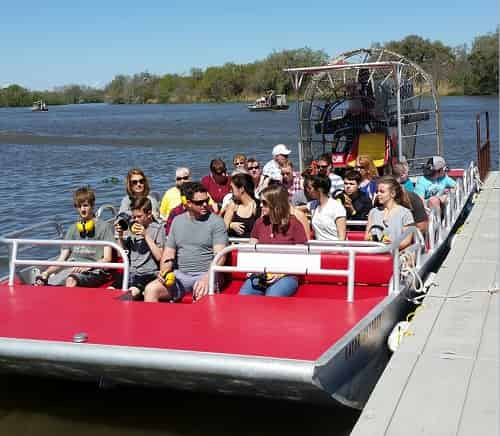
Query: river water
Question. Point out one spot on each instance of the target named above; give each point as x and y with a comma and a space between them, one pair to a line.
46, 156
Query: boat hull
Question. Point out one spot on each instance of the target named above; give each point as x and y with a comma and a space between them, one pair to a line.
253, 108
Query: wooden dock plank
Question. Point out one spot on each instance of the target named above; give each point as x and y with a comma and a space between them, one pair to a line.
480, 412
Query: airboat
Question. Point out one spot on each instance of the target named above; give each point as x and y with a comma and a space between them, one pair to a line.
327, 343
269, 102
39, 106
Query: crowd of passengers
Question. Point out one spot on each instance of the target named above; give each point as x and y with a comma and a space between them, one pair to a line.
171, 244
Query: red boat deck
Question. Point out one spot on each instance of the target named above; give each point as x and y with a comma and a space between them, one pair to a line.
301, 327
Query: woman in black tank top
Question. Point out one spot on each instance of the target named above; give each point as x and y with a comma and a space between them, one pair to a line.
243, 211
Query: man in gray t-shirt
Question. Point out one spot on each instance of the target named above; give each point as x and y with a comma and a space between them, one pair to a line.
194, 239
144, 245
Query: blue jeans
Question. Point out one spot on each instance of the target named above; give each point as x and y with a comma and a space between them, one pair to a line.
284, 287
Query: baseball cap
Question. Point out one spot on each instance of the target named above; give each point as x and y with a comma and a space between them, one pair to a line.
281, 149
435, 163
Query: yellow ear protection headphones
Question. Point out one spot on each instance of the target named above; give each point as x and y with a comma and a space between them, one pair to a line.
183, 200
85, 228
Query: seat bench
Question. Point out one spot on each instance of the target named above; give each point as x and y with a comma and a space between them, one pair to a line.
373, 272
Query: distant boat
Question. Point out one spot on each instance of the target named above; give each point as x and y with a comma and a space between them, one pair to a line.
39, 106
269, 102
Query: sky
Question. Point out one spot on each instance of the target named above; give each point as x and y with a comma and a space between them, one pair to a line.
48, 43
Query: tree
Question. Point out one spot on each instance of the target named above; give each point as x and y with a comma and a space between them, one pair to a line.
484, 64
16, 95
270, 75
115, 90
434, 57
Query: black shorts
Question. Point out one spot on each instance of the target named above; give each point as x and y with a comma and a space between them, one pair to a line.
141, 280
91, 279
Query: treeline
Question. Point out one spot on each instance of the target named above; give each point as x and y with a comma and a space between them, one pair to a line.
15, 95
215, 84
456, 70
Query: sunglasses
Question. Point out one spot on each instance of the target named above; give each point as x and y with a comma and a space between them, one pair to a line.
199, 202
182, 178
238, 163
137, 182
220, 172
323, 166
264, 203
253, 168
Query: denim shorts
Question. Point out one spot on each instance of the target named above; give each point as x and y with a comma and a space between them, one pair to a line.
184, 282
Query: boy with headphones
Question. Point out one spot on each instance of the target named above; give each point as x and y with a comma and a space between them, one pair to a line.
88, 227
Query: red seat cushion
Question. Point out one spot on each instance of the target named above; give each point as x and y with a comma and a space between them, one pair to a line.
370, 269
456, 172
355, 235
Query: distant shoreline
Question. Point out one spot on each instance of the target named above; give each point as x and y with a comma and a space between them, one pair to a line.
27, 139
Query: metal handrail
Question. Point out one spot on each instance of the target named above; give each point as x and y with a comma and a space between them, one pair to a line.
235, 240
106, 207
14, 261
349, 247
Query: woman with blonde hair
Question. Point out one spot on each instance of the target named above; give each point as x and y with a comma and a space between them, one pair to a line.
392, 215
239, 161
276, 226
137, 185
369, 174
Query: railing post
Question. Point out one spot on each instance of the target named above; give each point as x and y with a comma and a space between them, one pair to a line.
483, 150
350, 277
12, 263
211, 281
488, 145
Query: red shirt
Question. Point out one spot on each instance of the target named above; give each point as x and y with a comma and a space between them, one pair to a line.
263, 232
216, 191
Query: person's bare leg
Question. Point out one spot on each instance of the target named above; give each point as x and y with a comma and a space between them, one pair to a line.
71, 282
155, 291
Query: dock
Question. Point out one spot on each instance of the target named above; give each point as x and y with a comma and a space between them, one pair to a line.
444, 378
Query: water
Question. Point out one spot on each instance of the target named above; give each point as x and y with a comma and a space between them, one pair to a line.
45, 156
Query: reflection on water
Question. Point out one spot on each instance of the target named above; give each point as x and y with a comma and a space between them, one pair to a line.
41, 407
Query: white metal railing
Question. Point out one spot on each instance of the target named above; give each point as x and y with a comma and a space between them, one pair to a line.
105, 207
14, 261
317, 247
233, 240
438, 229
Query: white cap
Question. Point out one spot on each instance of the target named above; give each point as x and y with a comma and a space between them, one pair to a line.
281, 149
436, 163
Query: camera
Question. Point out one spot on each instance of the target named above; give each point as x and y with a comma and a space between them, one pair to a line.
376, 233
259, 281
124, 220
339, 195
